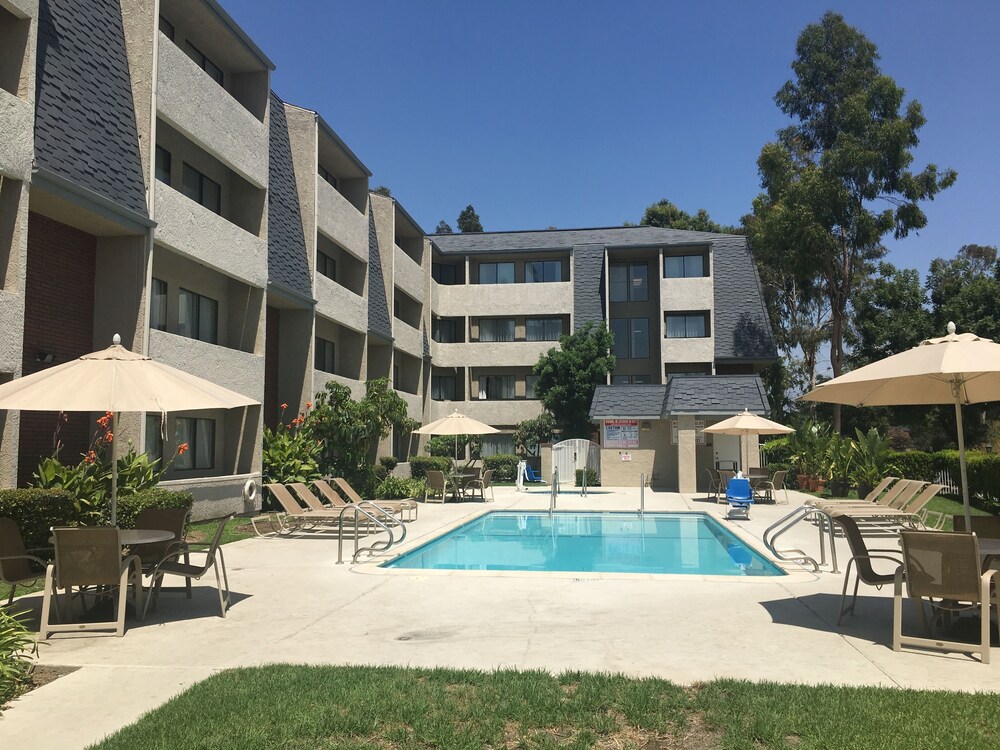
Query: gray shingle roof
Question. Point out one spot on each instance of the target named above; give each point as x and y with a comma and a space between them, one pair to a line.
716, 394
588, 284
287, 262
628, 401
378, 307
742, 327
565, 239
710, 394
85, 129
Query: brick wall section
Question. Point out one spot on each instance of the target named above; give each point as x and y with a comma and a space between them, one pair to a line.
272, 366
58, 318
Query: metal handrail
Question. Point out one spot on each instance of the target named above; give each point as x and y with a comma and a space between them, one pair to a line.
796, 516
555, 489
376, 546
642, 494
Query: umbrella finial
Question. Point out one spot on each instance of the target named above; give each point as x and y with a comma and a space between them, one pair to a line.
116, 340
951, 328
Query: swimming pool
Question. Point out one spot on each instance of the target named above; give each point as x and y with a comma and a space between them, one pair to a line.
591, 542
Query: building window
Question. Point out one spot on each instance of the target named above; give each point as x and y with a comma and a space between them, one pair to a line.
497, 445
323, 357
327, 176
684, 266
444, 330
167, 28
630, 380
163, 165
197, 317
199, 434
213, 70
444, 387
542, 329
539, 271
629, 282
530, 381
496, 387
201, 189
154, 438
631, 337
687, 325
158, 305
640, 380
496, 273
496, 329
444, 273
326, 265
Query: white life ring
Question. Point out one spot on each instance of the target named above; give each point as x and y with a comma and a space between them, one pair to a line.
250, 490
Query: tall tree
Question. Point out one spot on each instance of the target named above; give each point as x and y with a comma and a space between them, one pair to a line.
665, 214
889, 315
826, 177
966, 290
443, 227
568, 376
468, 220
383, 190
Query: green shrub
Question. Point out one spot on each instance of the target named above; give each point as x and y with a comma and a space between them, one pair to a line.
778, 451
17, 646
591, 478
389, 462
914, 464
35, 511
420, 464
983, 472
445, 445
157, 497
504, 467
399, 488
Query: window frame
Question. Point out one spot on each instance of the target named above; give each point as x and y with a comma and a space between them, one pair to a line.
546, 324
436, 387
546, 266
323, 263
703, 315
630, 288
513, 330
441, 271
322, 347
194, 452
702, 259
503, 382
495, 265
196, 324
203, 181
168, 165
438, 325
328, 177
159, 304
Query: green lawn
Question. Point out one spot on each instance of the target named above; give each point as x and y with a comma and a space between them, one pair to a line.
298, 707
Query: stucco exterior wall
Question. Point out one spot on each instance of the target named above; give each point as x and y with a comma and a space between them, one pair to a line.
321, 378
206, 113
618, 473
407, 338
407, 274
239, 371
215, 497
555, 298
687, 466
341, 304
496, 413
339, 220
490, 354
687, 294
17, 146
192, 230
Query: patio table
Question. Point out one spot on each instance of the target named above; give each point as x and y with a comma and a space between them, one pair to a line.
458, 480
128, 537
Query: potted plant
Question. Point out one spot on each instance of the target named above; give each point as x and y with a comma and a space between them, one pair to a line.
871, 461
842, 452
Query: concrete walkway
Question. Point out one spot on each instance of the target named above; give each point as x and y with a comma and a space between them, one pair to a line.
293, 603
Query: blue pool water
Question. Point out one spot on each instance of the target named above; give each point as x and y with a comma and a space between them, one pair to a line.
591, 542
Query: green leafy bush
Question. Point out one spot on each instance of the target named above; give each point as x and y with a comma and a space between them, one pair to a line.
389, 462
504, 467
591, 478
778, 451
445, 445
420, 464
290, 452
35, 511
17, 646
399, 488
983, 472
130, 506
914, 464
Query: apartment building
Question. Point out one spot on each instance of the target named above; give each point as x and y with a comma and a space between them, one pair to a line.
152, 185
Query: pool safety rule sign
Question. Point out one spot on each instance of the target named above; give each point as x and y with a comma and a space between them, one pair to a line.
621, 433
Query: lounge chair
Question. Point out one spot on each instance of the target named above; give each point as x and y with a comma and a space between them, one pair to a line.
391, 507
740, 498
483, 484
352, 496
900, 494
861, 560
171, 565
906, 509
307, 496
17, 567
943, 568
90, 557
871, 497
436, 487
297, 518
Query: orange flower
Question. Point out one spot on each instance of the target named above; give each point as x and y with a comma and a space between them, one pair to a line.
90, 457
182, 449
309, 404
288, 427
284, 406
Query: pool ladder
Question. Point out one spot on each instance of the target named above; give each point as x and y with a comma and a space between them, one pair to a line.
825, 527
358, 510
554, 490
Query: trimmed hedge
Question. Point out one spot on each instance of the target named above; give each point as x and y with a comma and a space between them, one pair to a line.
914, 464
156, 497
504, 467
591, 478
35, 511
420, 464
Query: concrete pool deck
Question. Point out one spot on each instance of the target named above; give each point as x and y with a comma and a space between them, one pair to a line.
293, 603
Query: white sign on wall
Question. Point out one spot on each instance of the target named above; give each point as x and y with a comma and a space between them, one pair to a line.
699, 431
621, 433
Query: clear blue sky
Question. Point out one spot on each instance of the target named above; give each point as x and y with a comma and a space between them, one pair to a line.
580, 114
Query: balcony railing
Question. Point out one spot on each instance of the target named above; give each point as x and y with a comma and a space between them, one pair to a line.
338, 219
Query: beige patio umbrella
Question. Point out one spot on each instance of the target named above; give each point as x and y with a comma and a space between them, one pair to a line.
954, 369
746, 424
456, 424
115, 380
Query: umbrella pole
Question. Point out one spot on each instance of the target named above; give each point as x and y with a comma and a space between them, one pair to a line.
114, 469
962, 466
